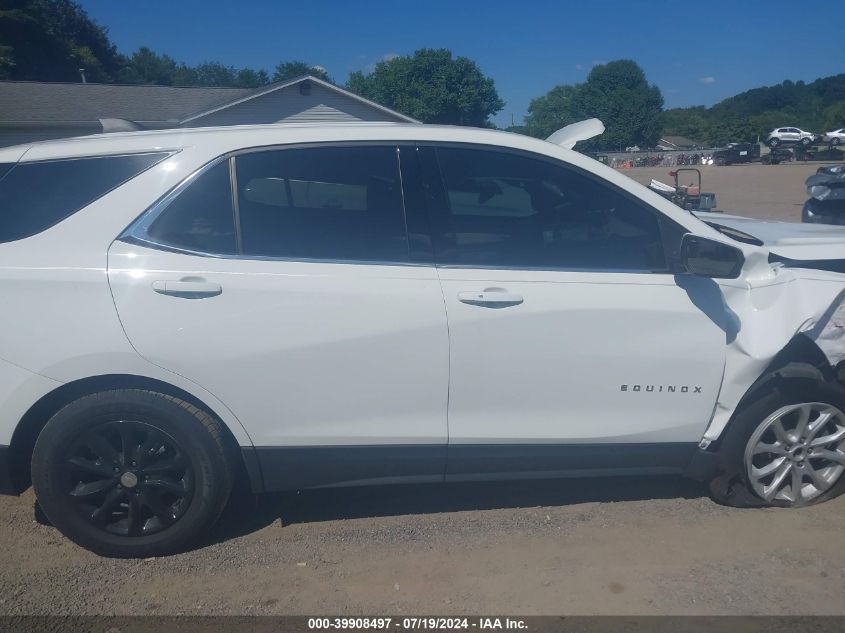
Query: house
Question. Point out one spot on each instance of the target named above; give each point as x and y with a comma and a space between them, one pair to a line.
35, 111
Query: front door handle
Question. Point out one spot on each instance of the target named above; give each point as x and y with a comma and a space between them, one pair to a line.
187, 288
490, 298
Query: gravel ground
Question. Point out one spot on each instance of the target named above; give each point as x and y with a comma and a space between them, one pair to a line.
774, 192
651, 545
599, 546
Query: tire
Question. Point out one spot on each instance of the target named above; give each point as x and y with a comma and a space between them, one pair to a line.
785, 393
805, 142
835, 141
131, 473
720, 162
774, 142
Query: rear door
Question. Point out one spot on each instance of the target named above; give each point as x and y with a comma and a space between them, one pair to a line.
282, 282
573, 347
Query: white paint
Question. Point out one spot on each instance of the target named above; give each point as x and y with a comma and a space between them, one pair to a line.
308, 353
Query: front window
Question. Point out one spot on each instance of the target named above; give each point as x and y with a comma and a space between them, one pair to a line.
506, 209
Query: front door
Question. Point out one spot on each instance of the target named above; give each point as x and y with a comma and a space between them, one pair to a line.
294, 302
572, 347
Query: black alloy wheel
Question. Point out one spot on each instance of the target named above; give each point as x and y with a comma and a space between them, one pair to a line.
133, 473
129, 478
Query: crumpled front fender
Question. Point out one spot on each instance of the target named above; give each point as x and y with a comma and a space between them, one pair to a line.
765, 313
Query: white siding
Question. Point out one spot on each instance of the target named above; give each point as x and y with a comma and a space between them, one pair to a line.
287, 104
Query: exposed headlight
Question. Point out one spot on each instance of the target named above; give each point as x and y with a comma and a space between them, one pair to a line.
819, 192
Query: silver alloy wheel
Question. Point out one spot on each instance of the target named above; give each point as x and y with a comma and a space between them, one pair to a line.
797, 453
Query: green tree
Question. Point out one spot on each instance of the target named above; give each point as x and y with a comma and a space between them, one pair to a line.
816, 106
215, 74
691, 123
433, 86
145, 66
617, 93
834, 117
291, 70
50, 40
249, 78
551, 112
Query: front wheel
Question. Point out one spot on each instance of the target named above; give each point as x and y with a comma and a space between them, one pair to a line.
131, 473
835, 141
787, 448
773, 142
805, 142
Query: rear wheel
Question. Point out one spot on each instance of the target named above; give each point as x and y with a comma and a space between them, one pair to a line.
131, 473
786, 448
835, 141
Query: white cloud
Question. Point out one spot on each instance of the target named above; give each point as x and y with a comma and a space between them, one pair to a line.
707, 80
579, 66
388, 56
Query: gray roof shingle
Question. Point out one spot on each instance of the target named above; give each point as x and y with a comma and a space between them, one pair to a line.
31, 101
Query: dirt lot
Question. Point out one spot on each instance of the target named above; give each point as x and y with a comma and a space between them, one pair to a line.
600, 546
774, 192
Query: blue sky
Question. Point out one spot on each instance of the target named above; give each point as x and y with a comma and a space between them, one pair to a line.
697, 52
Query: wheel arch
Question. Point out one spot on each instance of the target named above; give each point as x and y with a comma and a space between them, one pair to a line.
801, 359
36, 417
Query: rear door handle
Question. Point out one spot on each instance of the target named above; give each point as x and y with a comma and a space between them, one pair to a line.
187, 288
490, 298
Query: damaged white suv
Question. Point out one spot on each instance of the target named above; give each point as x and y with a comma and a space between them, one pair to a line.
307, 306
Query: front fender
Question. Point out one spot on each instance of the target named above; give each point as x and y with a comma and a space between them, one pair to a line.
767, 314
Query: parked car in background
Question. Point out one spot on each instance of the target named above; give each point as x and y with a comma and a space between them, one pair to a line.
310, 306
788, 135
826, 191
835, 137
778, 155
735, 153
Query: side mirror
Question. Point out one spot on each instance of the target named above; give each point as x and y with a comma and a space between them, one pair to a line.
708, 258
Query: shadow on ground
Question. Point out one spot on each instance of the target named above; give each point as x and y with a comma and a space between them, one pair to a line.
247, 513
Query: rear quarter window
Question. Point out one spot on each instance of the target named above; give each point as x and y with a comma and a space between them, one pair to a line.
36, 196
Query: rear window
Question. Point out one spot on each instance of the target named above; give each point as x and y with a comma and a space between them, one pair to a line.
35, 196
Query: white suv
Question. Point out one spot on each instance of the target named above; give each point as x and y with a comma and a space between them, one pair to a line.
312, 306
783, 135
835, 137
